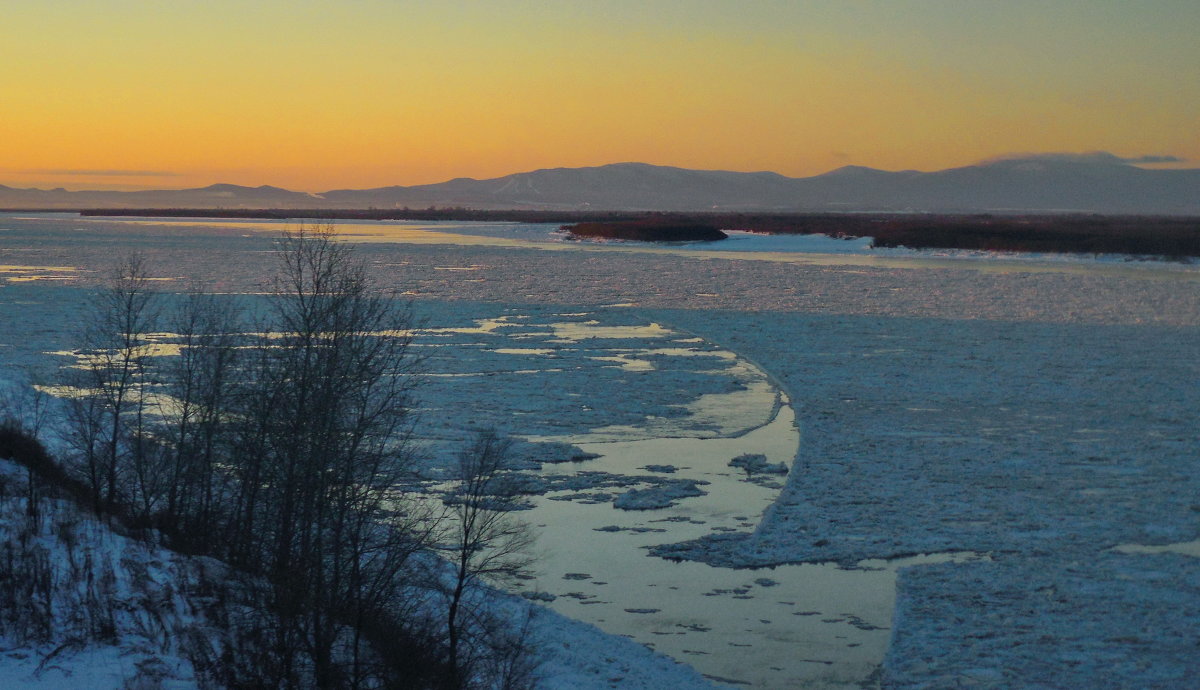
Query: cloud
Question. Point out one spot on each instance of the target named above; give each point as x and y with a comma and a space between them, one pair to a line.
1146, 160
100, 173
1093, 157
1058, 157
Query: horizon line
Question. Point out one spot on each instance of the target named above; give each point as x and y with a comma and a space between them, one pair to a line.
1101, 157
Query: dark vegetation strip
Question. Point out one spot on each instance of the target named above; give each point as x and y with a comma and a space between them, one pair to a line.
647, 231
23, 448
1166, 236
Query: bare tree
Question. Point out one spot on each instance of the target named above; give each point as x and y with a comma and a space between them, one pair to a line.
112, 423
198, 410
23, 415
283, 450
487, 543
330, 415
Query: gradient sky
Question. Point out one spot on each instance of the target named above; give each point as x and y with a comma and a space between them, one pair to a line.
315, 95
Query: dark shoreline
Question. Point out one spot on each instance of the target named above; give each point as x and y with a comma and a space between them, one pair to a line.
1165, 236
646, 231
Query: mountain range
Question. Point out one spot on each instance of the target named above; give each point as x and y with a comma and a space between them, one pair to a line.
1089, 183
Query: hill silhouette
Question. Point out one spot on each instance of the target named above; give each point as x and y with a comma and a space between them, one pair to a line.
1079, 183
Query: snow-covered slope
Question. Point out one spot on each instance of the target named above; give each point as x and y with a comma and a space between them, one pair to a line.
86, 606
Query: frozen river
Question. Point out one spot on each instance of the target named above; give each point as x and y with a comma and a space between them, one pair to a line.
786, 626
1035, 409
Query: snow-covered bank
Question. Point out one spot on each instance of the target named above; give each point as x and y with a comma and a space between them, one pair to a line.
101, 610
88, 607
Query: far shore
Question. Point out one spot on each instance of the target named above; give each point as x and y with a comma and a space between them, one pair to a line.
1172, 237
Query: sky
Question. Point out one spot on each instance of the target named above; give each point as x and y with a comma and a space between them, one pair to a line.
315, 95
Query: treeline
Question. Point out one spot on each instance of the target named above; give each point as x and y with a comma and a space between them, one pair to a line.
277, 440
647, 231
830, 223
1165, 237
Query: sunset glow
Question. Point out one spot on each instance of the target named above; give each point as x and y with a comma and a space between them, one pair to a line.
322, 95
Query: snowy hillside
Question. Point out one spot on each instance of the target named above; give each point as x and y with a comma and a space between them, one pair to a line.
88, 605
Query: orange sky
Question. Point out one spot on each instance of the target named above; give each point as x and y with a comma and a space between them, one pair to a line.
320, 95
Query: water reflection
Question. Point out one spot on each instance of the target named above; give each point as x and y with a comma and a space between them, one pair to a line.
786, 626
16, 273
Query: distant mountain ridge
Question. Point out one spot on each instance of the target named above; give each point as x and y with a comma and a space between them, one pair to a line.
1089, 183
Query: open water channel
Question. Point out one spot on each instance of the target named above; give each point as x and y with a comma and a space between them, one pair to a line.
815, 625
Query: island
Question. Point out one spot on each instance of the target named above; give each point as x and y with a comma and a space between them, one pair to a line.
645, 231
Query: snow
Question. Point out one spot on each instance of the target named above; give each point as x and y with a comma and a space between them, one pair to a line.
1042, 444
664, 495
578, 655
156, 603
122, 610
756, 463
925, 436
